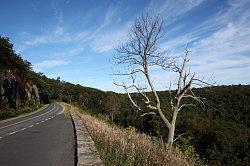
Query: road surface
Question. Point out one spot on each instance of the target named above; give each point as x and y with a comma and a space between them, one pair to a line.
45, 138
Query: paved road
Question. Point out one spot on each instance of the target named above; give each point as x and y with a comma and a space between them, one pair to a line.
45, 138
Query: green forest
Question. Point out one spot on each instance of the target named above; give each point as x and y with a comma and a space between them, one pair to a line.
219, 132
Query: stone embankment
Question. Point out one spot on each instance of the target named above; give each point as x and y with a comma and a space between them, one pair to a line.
14, 92
87, 154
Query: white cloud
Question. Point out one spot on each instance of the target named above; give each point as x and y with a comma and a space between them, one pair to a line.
226, 52
57, 11
172, 9
220, 47
48, 64
109, 16
57, 35
111, 39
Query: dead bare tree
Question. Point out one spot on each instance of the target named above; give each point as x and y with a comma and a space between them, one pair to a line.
142, 52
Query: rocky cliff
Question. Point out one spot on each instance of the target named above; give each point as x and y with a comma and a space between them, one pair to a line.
15, 92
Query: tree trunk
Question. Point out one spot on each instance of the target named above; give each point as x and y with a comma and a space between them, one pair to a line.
170, 140
112, 116
171, 130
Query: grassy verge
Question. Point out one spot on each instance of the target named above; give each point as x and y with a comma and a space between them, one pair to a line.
126, 147
67, 108
11, 113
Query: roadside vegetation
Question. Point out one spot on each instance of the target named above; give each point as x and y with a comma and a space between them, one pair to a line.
28, 108
125, 146
66, 111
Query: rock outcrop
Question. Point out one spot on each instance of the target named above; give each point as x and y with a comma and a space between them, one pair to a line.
14, 92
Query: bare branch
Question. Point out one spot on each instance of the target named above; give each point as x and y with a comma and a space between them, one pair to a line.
130, 98
148, 113
128, 73
185, 105
170, 94
179, 136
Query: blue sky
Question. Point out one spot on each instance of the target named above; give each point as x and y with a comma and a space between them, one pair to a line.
75, 39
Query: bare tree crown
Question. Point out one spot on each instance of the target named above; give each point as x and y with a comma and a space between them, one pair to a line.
142, 51
143, 46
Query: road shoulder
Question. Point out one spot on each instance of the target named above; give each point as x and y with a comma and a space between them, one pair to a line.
87, 153
24, 115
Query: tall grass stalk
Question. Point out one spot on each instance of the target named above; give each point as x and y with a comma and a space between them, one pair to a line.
126, 147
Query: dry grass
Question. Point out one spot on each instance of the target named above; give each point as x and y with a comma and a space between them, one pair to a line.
125, 147
67, 108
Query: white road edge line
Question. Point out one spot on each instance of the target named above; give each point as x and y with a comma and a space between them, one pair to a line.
20, 130
28, 119
12, 133
62, 110
31, 125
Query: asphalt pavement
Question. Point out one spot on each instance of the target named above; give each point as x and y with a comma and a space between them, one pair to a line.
45, 138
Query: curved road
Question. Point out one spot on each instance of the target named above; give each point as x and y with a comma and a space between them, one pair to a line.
45, 138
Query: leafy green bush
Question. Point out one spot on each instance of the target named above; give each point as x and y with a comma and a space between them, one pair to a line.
7, 113
188, 151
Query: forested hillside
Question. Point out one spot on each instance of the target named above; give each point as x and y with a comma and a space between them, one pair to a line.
219, 131
21, 87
